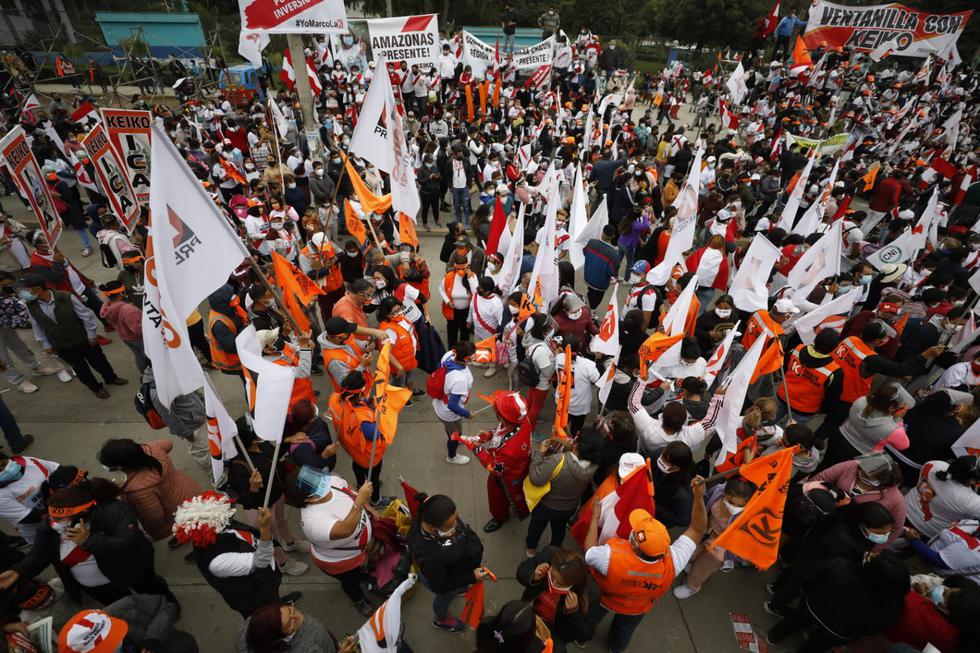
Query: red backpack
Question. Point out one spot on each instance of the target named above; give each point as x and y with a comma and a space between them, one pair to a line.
436, 384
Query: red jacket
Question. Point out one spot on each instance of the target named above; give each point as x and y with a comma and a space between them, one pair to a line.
887, 193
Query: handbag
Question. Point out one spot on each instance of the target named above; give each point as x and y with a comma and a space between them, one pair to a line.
534, 493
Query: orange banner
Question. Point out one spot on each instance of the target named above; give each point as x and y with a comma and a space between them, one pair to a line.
354, 225
470, 112
370, 202
770, 360
566, 379
298, 290
406, 231
654, 346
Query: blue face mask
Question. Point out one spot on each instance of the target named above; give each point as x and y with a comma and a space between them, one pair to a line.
938, 594
26, 295
11, 472
328, 124
877, 538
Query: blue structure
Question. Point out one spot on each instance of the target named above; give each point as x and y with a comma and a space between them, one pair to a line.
179, 34
523, 36
242, 75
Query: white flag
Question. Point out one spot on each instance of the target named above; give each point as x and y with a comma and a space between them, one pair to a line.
379, 137
544, 276
577, 219
814, 214
736, 84
952, 129
966, 334
750, 286
884, 49
897, 251
268, 396
191, 251
278, 117
806, 324
920, 233
674, 323
587, 134
593, 229
730, 413
968, 444
381, 632
607, 340
509, 274
605, 383
788, 216
250, 46
975, 281
820, 261
721, 353
685, 224
221, 431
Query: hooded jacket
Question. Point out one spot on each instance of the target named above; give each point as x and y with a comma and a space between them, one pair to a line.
155, 495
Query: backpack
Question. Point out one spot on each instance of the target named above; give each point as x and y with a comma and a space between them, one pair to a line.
435, 386
108, 257
145, 407
527, 373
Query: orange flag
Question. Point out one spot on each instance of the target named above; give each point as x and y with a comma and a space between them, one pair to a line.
298, 290
566, 378
484, 90
754, 534
654, 346
526, 309
469, 103
389, 399
232, 171
473, 608
870, 176
496, 91
354, 225
792, 182
489, 347
406, 231
801, 57
770, 360
900, 325
370, 202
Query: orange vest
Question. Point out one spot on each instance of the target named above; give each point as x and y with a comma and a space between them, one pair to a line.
807, 385
850, 353
759, 323
351, 360
631, 585
227, 362
333, 279
347, 419
448, 283
404, 348
302, 387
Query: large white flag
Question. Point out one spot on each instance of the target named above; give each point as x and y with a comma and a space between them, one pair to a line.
968, 444
730, 413
607, 340
820, 261
278, 117
593, 229
268, 396
788, 216
920, 233
806, 324
674, 323
191, 250
897, 251
736, 84
750, 286
544, 276
381, 632
685, 224
379, 137
250, 46
814, 214
578, 219
966, 334
221, 431
509, 273
717, 360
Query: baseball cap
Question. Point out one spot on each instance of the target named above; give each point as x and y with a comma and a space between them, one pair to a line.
313, 482
888, 308
92, 631
785, 305
641, 268
335, 326
628, 462
649, 535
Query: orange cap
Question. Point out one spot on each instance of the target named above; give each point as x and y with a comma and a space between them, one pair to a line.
649, 535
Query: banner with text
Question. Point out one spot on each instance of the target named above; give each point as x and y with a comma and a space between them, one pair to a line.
113, 177
826, 146
916, 33
129, 133
480, 56
414, 39
26, 173
293, 16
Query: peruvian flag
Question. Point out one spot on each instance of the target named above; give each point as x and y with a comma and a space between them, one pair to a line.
616, 502
777, 145
81, 173
767, 24
541, 76
288, 76
728, 119
968, 178
86, 111
497, 226
32, 103
711, 266
842, 208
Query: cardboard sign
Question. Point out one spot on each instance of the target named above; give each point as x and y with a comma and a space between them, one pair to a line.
26, 173
129, 133
113, 177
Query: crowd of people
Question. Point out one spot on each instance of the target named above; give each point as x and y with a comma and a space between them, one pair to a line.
627, 454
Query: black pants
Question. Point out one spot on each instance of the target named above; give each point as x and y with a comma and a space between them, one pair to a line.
456, 328
782, 46
541, 516
198, 340
429, 202
361, 475
575, 423
91, 299
81, 357
147, 583
594, 296
819, 640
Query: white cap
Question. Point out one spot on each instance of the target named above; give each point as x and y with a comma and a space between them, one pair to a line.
785, 305
755, 177
711, 159
628, 462
906, 214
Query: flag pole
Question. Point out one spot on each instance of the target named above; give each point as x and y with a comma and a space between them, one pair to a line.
275, 141
241, 447
789, 408
272, 472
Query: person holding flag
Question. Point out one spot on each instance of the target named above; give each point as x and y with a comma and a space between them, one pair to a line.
226, 319
353, 416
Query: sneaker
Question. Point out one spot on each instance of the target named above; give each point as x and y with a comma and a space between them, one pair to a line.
64, 376
769, 607
26, 441
418, 392
530, 553
292, 597
491, 372
581, 644
458, 459
382, 502
365, 608
172, 543
87, 251
44, 370
771, 589
427, 227
492, 525
727, 566
119, 381
409, 403
453, 625
26, 387
297, 545
294, 567
685, 591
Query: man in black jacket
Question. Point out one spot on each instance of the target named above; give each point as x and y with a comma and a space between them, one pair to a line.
95, 547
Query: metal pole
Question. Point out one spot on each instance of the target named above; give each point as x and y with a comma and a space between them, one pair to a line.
275, 293
275, 142
302, 85
272, 473
241, 447
789, 408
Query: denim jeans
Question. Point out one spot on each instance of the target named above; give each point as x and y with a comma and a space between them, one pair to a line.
461, 204
441, 602
508, 44
11, 432
86, 240
620, 630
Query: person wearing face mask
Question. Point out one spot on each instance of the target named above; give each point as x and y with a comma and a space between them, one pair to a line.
401, 332
63, 325
938, 332
448, 553
812, 379
537, 343
555, 580
280, 626
126, 319
875, 421
131, 276
643, 296
342, 353
226, 319
456, 291
872, 477
322, 187
711, 326
946, 492
724, 504
961, 376
22, 501
691, 362
573, 319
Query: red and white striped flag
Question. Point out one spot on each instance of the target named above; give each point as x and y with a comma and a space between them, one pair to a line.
85, 112
540, 77
288, 76
728, 119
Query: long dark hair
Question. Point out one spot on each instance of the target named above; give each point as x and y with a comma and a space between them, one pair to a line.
264, 633
512, 630
128, 456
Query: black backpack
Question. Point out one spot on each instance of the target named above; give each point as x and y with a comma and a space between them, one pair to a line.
145, 407
527, 373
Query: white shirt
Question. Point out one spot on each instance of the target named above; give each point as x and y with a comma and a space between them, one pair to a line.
682, 370
318, 519
458, 382
952, 501
958, 374
19, 498
459, 298
486, 312
652, 436
87, 571
459, 174
586, 377
637, 298
680, 554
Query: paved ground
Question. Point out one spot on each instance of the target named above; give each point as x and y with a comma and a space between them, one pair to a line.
70, 425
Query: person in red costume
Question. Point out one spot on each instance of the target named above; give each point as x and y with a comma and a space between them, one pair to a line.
506, 453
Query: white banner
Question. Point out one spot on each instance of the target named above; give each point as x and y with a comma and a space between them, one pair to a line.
413, 39
479, 56
268, 396
685, 224
806, 325
750, 286
294, 16
221, 431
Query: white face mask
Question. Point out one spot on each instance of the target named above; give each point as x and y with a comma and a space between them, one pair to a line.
731, 508
574, 315
290, 185
250, 166
380, 283
513, 310
318, 172
723, 312
276, 225
664, 466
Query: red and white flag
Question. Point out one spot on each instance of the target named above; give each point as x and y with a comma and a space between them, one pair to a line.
806, 325
728, 119
777, 145
769, 23
539, 78
85, 112
968, 444
685, 224
607, 340
717, 361
750, 285
288, 75
32, 103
